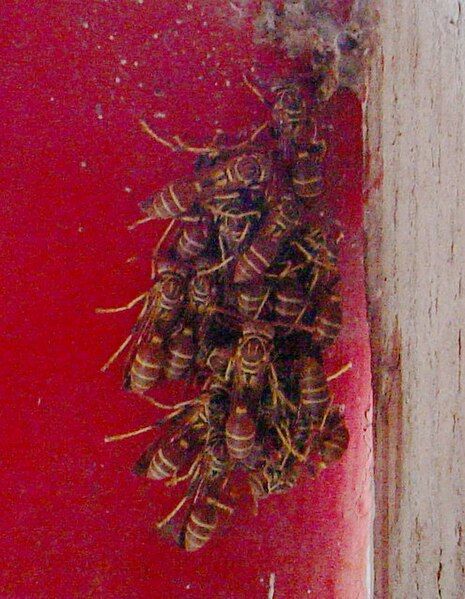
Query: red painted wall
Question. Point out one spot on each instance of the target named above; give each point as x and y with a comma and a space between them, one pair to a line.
77, 76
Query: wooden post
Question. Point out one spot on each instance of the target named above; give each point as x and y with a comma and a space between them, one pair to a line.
415, 221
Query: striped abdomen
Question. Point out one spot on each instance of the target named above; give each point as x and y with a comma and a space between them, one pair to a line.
147, 366
314, 392
240, 433
333, 440
173, 200
306, 177
219, 359
170, 296
252, 362
168, 459
180, 354
278, 225
328, 320
290, 304
193, 239
306, 173
242, 171
252, 300
202, 290
200, 525
252, 356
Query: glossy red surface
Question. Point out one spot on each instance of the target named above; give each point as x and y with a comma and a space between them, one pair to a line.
76, 523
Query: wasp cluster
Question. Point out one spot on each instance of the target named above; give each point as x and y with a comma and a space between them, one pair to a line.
244, 300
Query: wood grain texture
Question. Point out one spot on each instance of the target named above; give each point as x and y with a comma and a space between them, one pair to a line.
415, 220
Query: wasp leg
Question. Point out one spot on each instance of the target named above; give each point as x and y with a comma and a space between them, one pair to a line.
216, 267
172, 514
254, 89
120, 349
156, 249
340, 372
265, 299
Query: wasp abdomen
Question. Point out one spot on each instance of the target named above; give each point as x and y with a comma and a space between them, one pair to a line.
290, 303
173, 200
240, 172
201, 523
180, 354
328, 320
333, 440
252, 300
167, 460
193, 240
306, 177
240, 433
147, 366
314, 393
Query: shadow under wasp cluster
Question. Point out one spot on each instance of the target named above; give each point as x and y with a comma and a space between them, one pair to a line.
245, 298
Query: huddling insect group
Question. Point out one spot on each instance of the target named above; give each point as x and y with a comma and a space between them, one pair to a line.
244, 300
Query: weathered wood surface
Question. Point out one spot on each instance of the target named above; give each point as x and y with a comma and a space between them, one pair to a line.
415, 263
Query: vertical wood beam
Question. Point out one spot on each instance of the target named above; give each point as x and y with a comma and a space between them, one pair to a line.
415, 222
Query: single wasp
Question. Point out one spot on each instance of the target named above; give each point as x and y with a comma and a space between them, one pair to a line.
252, 357
230, 172
277, 227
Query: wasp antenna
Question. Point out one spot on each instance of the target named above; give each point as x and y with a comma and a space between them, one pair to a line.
185, 147
123, 436
128, 306
160, 140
